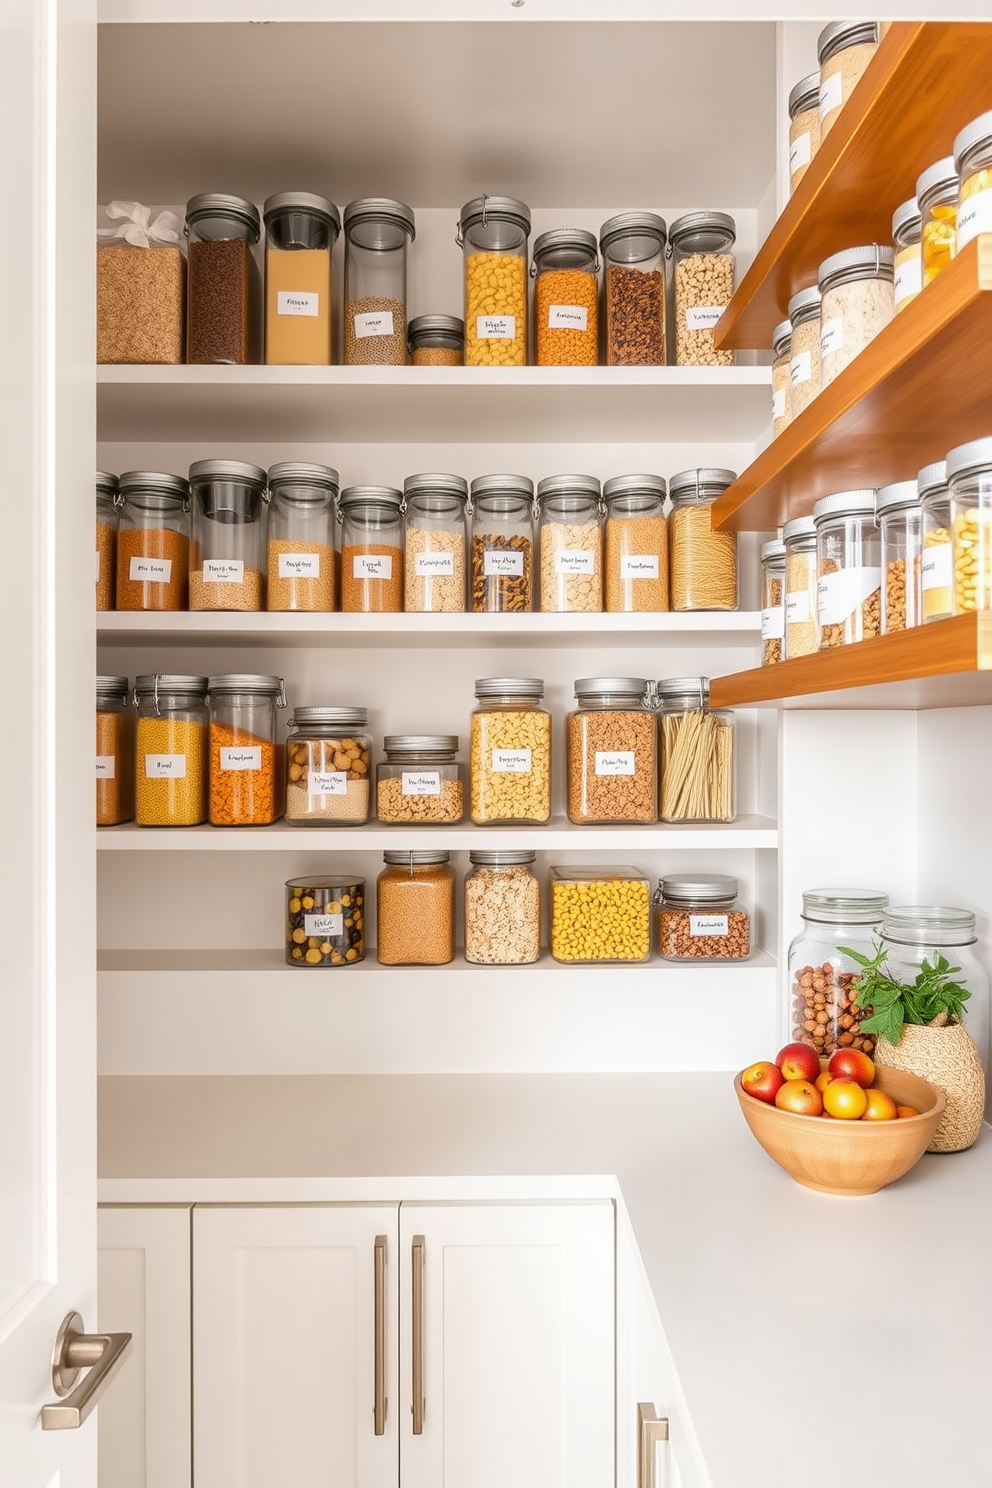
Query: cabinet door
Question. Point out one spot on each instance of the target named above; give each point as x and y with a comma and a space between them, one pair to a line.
510, 1326
285, 1347
144, 1288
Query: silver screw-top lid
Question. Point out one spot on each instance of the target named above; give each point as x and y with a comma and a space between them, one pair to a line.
782, 337
154, 483
705, 484
805, 305
844, 504
404, 744
485, 209
165, 683
698, 886
316, 480
804, 95
703, 232
798, 527
111, 688
379, 223
319, 716
218, 206
929, 925
932, 478
384, 497
302, 201
563, 240
227, 470
839, 906
973, 458
344, 883
435, 325
568, 485
840, 35
697, 688
503, 485
500, 857
627, 687
634, 485
940, 176
251, 682
898, 496
873, 261
906, 218
978, 132
106, 484
417, 858
773, 549
634, 225
435, 483
523, 687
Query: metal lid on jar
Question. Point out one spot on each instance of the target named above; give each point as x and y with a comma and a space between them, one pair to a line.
484, 209
844, 504
228, 470
633, 225
805, 95
503, 485
379, 223
873, 261
840, 35
386, 498
436, 483
898, 496
781, 337
798, 527
634, 485
150, 684
561, 239
418, 858
973, 458
302, 201
929, 925
154, 483
106, 484
524, 687
251, 682
698, 886
111, 687
940, 176
837, 906
324, 717
773, 549
591, 687
568, 485
216, 204
436, 325
932, 478
500, 857
805, 305
906, 219
705, 484
403, 744
344, 882
313, 481
697, 230
677, 687
978, 132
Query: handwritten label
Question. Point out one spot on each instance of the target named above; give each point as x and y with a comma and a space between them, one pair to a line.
421, 782
367, 566
831, 94
801, 368
908, 279
106, 767
935, 567
150, 570
378, 324
326, 926
503, 563
797, 607
165, 767
223, 571
638, 566
700, 924
495, 327
427, 564
773, 623
831, 336
241, 759
613, 762
703, 317
838, 595
800, 153
299, 565
511, 761
974, 217
297, 302
582, 561
331, 783
568, 317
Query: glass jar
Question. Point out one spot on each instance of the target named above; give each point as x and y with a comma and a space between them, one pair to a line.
571, 544
703, 563
804, 359
922, 932
434, 553
566, 298
633, 249
510, 753
969, 476
171, 750
415, 909
697, 768
936, 563
502, 544
300, 233
114, 752
699, 919
804, 127
325, 922
302, 557
781, 376
802, 632
153, 541
221, 280
823, 1011
636, 557
907, 281
377, 233
937, 197
108, 504
772, 601
436, 341
227, 557
701, 243
502, 909
858, 301
371, 550
900, 523
140, 286
493, 233
328, 767
599, 914
848, 568
247, 772
973, 163
843, 50
611, 752
420, 780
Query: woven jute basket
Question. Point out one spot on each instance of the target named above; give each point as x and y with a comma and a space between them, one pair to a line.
947, 1057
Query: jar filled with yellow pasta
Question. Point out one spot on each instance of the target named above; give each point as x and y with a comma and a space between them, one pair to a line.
697, 771
937, 198
493, 233
908, 269
702, 561
973, 163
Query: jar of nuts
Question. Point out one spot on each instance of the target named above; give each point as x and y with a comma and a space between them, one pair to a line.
698, 918
502, 544
701, 244
327, 767
436, 341
823, 1010
419, 780
936, 575
612, 753
848, 567
900, 521
325, 922
502, 908
633, 249
510, 757
571, 538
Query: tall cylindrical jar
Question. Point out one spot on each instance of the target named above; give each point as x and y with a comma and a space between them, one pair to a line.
221, 279
908, 265
703, 562
804, 127
377, 233
781, 377
415, 909
114, 752
502, 908
302, 556
969, 476
633, 249
843, 50
802, 631
701, 243
848, 567
436, 341
611, 753
772, 601
371, 550
171, 750
153, 541
502, 544
247, 774
937, 197
823, 1007
636, 559
857, 302
924, 932
227, 556
108, 503
328, 767
571, 544
936, 558
804, 357
493, 233
566, 297
973, 163
900, 522
510, 753
697, 766
434, 549
300, 232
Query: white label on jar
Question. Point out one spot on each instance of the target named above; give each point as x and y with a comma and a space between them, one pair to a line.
800, 152
241, 759
831, 336
333, 783
495, 327
421, 783
365, 566
165, 767
797, 607
106, 767
974, 217
700, 924
378, 324
801, 368
223, 571
299, 565
839, 594
831, 94
324, 926
150, 570
511, 761
614, 762
582, 561
568, 317
98, 565
703, 317
503, 563
297, 302
427, 564
908, 278
639, 566
778, 403
773, 623
935, 567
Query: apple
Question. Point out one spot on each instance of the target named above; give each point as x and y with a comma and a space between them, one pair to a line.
852, 1064
798, 1062
822, 1081
800, 1097
907, 1111
880, 1107
763, 1080
845, 1099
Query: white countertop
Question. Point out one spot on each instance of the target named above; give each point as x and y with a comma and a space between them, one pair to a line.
821, 1341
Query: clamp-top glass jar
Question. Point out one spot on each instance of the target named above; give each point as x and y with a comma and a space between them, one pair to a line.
936, 562
502, 544
114, 752
108, 504
701, 244
436, 341
171, 750
633, 249
247, 774
697, 767
420, 780
937, 196
636, 544
300, 233
510, 753
848, 568
328, 767
907, 225
781, 376
804, 356
227, 559
900, 522
378, 233
823, 1010
973, 163
772, 601
698, 918
415, 904
843, 50
858, 301
703, 562
804, 127
566, 296
221, 279
371, 550
969, 476
302, 557
571, 543
493, 233
502, 908
153, 541
611, 747
434, 553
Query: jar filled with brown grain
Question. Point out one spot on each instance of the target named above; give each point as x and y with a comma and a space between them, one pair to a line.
698, 918
566, 297
435, 569
371, 550
377, 233
936, 562
900, 524
502, 544
171, 750
702, 562
823, 1007
857, 302
937, 192
140, 286
697, 762
772, 601
848, 568
781, 377
701, 245
300, 232
328, 767
436, 341
302, 557
908, 264
415, 912
227, 556
153, 541
510, 753
843, 50
804, 127
420, 780
636, 559
114, 752
502, 908
493, 233
247, 771
611, 752
804, 357
108, 504
802, 631
222, 319
571, 539
633, 249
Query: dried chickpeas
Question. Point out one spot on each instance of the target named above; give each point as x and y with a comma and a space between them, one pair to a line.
599, 914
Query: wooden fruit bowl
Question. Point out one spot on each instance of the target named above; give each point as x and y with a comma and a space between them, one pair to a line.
848, 1157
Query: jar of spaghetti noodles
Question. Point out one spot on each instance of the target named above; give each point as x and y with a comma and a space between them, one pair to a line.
697, 755
703, 562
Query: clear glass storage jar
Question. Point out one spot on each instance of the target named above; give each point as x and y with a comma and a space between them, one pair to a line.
114, 752
611, 752
699, 919
328, 767
843, 50
907, 281
493, 233
922, 932
436, 341
703, 563
434, 551
697, 758
502, 544
973, 163
804, 127
636, 556
502, 908
171, 750
701, 245
510, 753
300, 233
227, 555
848, 568
377, 234
599, 914
804, 358
566, 298
937, 197
420, 780
371, 550
108, 503
633, 249
140, 286
302, 556
325, 921
823, 1009
781, 376
153, 541
802, 631
221, 280
900, 523
969, 476
772, 601
415, 909
247, 771
936, 558
858, 301
571, 541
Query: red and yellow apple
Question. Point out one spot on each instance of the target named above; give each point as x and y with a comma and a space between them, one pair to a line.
798, 1062
880, 1107
845, 1099
800, 1097
763, 1080
852, 1064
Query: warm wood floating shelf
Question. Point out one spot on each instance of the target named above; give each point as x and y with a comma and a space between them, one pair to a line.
944, 665
926, 81
921, 387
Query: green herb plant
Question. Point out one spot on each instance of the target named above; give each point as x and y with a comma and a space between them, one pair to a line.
933, 999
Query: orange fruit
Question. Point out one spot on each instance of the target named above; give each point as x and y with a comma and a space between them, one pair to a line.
880, 1107
907, 1111
822, 1081
845, 1099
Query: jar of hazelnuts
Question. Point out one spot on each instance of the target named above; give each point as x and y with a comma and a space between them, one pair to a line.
824, 1010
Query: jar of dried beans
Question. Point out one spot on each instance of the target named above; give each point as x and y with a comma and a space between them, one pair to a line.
900, 523
804, 127
599, 914
703, 562
300, 232
227, 558
502, 544
843, 50
636, 558
108, 503
436, 341
114, 752
781, 400
969, 476
823, 1007
697, 760
221, 280
908, 264
510, 753
701, 244
171, 750
611, 752
571, 543
493, 233
502, 908
415, 909
247, 775
848, 568
699, 919
802, 633
772, 601
328, 767
420, 780
804, 357
858, 301
937, 197
153, 541
371, 550
633, 249
302, 557
435, 547
378, 233
936, 562
973, 163
325, 922
566, 295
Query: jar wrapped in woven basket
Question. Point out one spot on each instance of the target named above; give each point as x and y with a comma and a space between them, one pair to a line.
947, 1057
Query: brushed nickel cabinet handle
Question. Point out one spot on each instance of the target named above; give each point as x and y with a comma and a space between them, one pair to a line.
379, 1406
101, 1354
417, 1308
651, 1429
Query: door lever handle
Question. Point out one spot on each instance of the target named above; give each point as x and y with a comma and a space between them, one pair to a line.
100, 1354
651, 1429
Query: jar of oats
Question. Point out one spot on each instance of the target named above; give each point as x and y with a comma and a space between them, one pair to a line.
772, 601
703, 562
510, 754
823, 1007
420, 780
701, 245
936, 565
378, 233
636, 543
804, 127
502, 908
848, 568
908, 266
937, 197
900, 524
781, 399
973, 163
858, 301
571, 542
227, 554
303, 559
804, 357
415, 909
493, 233
843, 50
802, 634
328, 758
434, 548
436, 341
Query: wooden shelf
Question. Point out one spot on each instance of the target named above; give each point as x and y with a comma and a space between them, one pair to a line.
921, 387
944, 665
926, 81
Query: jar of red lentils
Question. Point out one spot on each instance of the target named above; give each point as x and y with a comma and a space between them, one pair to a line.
566, 293
247, 773
415, 916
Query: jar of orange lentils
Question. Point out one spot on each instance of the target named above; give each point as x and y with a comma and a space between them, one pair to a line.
566, 294
247, 773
